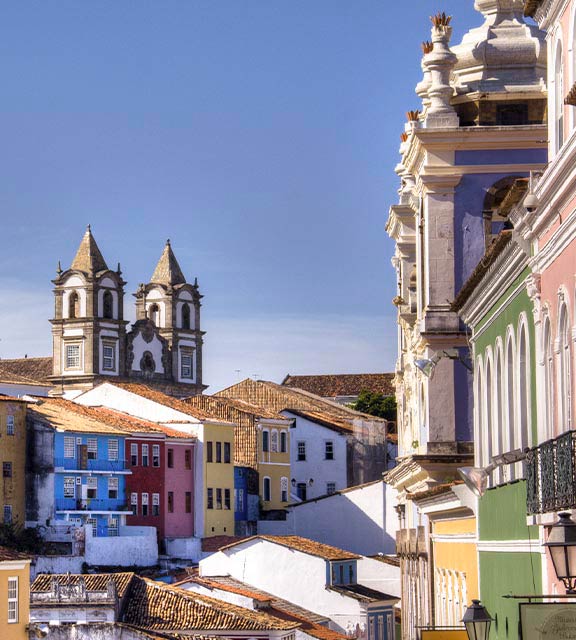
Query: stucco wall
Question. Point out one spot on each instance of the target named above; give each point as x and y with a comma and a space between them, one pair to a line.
184, 548
56, 564
134, 546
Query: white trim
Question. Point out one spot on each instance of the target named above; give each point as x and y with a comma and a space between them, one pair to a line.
512, 546
467, 538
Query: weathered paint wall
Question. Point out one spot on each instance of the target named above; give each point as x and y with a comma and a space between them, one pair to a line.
133, 546
56, 564
13, 451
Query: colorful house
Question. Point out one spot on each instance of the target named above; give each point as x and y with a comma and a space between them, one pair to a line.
13, 458
14, 594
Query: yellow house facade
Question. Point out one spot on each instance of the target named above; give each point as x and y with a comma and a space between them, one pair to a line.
14, 595
274, 463
218, 466
13, 459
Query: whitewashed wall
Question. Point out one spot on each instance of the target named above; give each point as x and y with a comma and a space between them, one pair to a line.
55, 564
134, 546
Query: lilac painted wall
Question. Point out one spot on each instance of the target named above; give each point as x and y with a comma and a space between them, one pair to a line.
179, 480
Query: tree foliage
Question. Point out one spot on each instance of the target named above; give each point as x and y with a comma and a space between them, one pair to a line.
376, 404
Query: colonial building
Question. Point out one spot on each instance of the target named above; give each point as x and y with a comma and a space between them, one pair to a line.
13, 459
14, 594
90, 337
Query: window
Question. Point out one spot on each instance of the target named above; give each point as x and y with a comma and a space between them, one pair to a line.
13, 599
283, 442
371, 634
7, 514
548, 394
108, 356
94, 524
92, 448
218, 452
511, 114
266, 490
154, 314
330, 488
69, 487
108, 305
559, 97
351, 574
301, 451
92, 487
145, 504
209, 456
112, 526
218, 498
6, 469
284, 489
341, 573
186, 363
9, 425
227, 452
170, 458
69, 447
112, 488
329, 450
239, 499
210, 499
113, 450
72, 356
564, 373
301, 491
188, 502
185, 316
73, 305
155, 455
144, 455
227, 499
134, 503
274, 441
523, 386
170, 501
380, 627
265, 441
155, 504
134, 454
188, 459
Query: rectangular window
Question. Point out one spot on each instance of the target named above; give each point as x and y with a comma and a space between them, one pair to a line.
92, 487
330, 488
265, 441
13, 599
7, 514
239, 496
380, 627
69, 447
301, 451
144, 504
112, 488
170, 458
274, 441
283, 442
6, 469
227, 499
227, 452
155, 455
209, 451
69, 487
188, 459
155, 504
92, 448
72, 356
170, 501
329, 450
144, 455
94, 524
284, 489
9, 425
113, 450
267, 489
188, 502
134, 454
209, 498
108, 357
218, 452
218, 498
186, 364
134, 503
112, 526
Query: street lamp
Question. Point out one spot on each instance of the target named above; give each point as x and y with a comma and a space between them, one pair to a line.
477, 621
562, 545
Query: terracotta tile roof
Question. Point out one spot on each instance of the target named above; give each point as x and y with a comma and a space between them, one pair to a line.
323, 418
36, 369
492, 253
162, 398
213, 544
392, 560
5, 398
88, 257
157, 606
362, 593
94, 582
7, 555
9, 377
571, 96
437, 490
333, 386
305, 545
168, 270
211, 404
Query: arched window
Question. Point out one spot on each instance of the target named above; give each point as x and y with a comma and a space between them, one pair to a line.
548, 357
488, 417
510, 395
154, 314
522, 438
74, 305
266, 490
498, 422
274, 441
559, 96
564, 372
479, 408
107, 305
185, 316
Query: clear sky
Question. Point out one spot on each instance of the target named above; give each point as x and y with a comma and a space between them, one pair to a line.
260, 136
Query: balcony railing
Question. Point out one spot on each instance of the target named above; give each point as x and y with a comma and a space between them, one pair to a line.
70, 464
90, 504
551, 475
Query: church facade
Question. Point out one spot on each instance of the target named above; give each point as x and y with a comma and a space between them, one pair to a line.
91, 340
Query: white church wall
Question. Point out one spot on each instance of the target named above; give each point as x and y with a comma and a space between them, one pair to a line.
154, 346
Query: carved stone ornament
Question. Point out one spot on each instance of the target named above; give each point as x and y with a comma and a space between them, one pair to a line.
148, 331
533, 289
147, 364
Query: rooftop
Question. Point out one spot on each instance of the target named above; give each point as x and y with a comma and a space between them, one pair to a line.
94, 582
10, 555
347, 384
167, 271
32, 370
304, 545
211, 404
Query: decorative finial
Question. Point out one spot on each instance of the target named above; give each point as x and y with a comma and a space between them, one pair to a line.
427, 47
195, 282
413, 115
59, 268
440, 19
119, 271
168, 242
89, 229
403, 136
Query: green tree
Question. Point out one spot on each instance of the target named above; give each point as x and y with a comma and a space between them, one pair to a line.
376, 404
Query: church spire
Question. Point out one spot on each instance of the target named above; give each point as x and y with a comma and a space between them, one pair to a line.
168, 270
88, 257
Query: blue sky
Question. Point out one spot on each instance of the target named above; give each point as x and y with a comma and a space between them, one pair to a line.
260, 136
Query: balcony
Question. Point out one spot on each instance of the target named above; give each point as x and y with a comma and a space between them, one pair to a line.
551, 475
87, 464
90, 504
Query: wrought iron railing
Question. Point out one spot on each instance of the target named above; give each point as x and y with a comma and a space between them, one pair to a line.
551, 475
89, 464
90, 504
